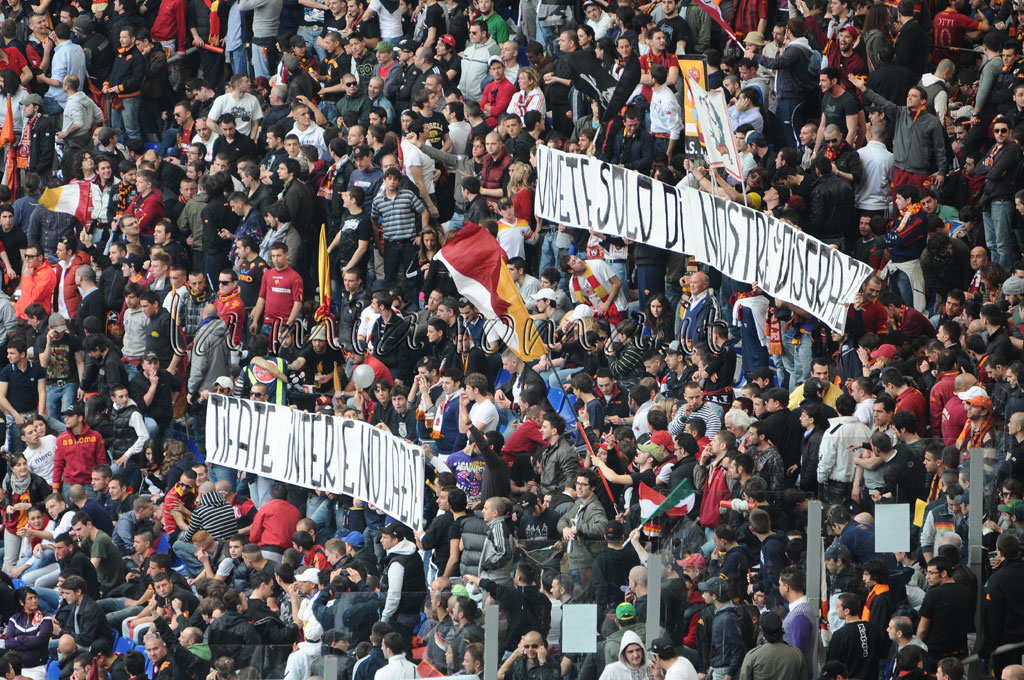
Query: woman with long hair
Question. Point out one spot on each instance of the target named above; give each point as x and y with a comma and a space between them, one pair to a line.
10, 86
604, 49
659, 321
529, 97
520, 190
22, 489
155, 478
85, 166
876, 35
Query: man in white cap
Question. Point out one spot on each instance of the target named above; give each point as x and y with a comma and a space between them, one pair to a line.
306, 653
546, 304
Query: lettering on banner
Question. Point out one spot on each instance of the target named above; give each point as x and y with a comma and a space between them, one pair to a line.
742, 243
318, 451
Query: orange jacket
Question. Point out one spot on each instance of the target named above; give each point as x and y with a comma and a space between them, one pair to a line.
37, 287
72, 296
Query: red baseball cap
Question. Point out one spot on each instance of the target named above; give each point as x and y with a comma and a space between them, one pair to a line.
663, 439
448, 39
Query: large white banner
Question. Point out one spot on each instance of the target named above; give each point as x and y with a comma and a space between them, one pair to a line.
310, 450
742, 243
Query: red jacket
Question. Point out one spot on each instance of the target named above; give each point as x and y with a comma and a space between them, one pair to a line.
231, 310
494, 169
498, 95
912, 400
526, 439
275, 523
148, 210
941, 392
77, 456
72, 296
170, 23
716, 489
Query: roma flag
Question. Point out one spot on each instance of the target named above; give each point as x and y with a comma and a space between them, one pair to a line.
74, 199
477, 265
7, 140
710, 8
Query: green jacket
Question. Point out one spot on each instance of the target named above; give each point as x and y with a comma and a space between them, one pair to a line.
191, 220
590, 522
700, 27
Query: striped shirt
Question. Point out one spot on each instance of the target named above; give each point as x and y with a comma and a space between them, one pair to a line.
399, 216
212, 514
706, 412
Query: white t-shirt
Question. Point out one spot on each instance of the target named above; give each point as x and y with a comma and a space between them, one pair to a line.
40, 461
681, 670
245, 110
512, 238
413, 158
390, 22
484, 413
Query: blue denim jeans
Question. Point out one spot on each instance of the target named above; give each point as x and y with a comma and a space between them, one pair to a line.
309, 34
127, 119
900, 284
621, 270
456, 222
549, 253
186, 551
59, 398
999, 232
755, 354
796, 359
260, 63
221, 473
789, 119
239, 61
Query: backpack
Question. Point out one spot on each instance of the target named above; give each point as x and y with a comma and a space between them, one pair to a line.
816, 63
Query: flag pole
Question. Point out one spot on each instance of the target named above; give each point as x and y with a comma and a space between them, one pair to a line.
590, 451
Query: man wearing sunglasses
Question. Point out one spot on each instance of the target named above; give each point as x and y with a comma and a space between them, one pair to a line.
999, 169
38, 280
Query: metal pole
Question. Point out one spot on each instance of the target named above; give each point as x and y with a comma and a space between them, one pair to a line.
976, 552
815, 560
653, 596
491, 651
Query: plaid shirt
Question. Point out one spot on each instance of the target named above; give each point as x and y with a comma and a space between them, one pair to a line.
399, 216
190, 313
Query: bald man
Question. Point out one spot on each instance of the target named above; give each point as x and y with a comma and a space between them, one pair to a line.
1014, 672
979, 258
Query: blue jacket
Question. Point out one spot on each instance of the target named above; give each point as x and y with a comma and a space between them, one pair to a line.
860, 539
639, 155
727, 647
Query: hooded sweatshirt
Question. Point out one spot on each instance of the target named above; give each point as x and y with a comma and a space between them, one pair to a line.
213, 514
793, 80
621, 670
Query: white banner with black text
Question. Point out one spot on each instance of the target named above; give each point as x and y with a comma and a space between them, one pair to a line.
744, 244
339, 455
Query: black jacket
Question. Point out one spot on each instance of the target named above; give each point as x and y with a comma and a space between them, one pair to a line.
832, 210
127, 72
91, 622
92, 304
184, 664
41, 152
298, 196
351, 306
1003, 614
103, 375
231, 635
217, 215
527, 608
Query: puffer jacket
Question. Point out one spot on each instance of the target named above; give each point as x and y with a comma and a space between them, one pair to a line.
211, 355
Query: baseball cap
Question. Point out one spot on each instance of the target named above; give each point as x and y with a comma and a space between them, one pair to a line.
663, 647
406, 45
674, 348
504, 203
625, 612
663, 439
131, 259
58, 323
756, 138
655, 450
971, 392
614, 531
297, 41
763, 373
291, 62
354, 539
361, 152
495, 58
85, 23
225, 382
983, 402
693, 560
965, 497
1013, 286
319, 332
460, 591
528, 500
309, 576
754, 38
851, 30
448, 39
151, 356
32, 99
77, 409
544, 294
838, 551
394, 529
385, 46
1014, 507
581, 311
888, 351
716, 586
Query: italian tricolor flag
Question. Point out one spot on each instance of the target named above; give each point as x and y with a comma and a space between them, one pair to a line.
678, 502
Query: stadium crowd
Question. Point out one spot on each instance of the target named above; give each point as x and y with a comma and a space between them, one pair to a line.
168, 168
